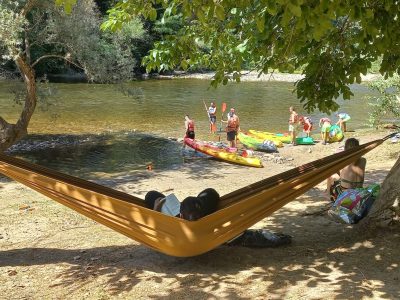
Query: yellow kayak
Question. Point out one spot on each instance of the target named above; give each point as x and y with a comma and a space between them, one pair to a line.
270, 136
232, 157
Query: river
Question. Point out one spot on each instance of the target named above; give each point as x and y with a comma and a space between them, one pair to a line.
113, 127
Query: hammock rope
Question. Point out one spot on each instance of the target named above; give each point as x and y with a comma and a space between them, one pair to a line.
126, 214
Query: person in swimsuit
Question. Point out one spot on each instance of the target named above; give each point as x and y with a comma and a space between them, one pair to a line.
307, 124
342, 119
212, 112
350, 177
325, 124
293, 125
189, 126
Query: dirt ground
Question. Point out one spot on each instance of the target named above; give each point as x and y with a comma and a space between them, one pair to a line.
50, 252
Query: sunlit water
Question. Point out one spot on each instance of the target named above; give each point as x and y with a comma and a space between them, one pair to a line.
96, 128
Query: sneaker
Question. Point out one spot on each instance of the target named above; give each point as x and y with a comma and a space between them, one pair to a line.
323, 143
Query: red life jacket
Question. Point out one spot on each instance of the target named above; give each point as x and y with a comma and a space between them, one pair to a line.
190, 125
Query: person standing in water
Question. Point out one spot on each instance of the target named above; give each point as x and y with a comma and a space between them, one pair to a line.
189, 126
212, 112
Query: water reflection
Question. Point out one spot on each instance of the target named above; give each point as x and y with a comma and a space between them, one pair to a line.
105, 155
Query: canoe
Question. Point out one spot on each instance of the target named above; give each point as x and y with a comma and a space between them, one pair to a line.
257, 144
284, 138
222, 154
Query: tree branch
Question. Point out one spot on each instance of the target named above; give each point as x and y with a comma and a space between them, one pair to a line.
28, 6
59, 57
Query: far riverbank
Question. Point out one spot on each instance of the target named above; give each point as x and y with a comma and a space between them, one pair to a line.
254, 76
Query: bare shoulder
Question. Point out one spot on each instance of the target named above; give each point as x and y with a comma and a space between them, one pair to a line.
362, 162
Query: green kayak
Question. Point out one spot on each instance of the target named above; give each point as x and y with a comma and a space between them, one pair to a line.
284, 138
257, 144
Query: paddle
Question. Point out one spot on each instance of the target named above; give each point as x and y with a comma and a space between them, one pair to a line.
208, 114
222, 114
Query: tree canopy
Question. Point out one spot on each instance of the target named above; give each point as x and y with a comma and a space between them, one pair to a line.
332, 42
33, 32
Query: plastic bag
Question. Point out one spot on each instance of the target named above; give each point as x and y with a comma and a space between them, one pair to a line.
353, 204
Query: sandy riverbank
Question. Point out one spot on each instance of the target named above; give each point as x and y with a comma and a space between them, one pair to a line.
50, 252
254, 76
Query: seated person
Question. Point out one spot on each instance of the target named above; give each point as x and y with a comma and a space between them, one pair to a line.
350, 177
194, 208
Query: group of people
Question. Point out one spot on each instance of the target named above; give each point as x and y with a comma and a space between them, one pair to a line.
232, 124
193, 208
295, 121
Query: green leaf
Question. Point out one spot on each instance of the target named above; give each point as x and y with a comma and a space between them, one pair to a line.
220, 12
271, 7
184, 64
242, 47
260, 23
295, 9
153, 14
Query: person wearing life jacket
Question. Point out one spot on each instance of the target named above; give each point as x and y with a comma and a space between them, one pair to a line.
212, 112
232, 127
307, 124
293, 125
343, 118
325, 124
189, 126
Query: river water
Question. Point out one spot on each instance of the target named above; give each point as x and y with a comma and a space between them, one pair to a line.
112, 127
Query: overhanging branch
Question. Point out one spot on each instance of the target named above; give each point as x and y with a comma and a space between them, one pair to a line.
58, 57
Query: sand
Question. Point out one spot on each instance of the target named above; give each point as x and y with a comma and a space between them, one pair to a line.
50, 252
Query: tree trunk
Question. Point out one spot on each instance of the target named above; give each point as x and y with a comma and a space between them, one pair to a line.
386, 206
10, 133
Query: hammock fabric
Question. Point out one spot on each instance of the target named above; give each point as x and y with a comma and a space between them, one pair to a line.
126, 214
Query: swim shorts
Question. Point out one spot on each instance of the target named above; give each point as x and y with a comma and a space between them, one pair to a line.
190, 134
293, 127
231, 135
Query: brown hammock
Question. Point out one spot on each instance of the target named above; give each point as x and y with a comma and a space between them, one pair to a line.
126, 214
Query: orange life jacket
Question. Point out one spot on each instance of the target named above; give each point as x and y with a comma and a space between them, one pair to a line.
232, 124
